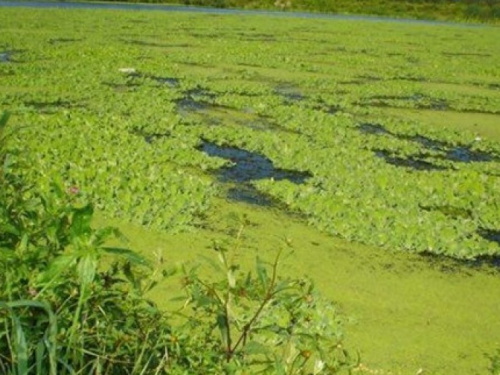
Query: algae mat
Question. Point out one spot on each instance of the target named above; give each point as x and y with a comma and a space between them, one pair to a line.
406, 312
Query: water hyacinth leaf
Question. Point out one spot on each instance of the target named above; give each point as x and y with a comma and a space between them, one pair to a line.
81, 220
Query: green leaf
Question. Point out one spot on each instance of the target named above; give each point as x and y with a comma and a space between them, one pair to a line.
223, 328
129, 255
254, 347
262, 272
4, 119
87, 267
20, 346
82, 218
57, 267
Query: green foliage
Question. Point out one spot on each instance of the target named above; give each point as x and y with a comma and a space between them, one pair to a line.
61, 311
494, 368
257, 322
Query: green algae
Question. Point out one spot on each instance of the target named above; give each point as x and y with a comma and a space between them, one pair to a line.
407, 312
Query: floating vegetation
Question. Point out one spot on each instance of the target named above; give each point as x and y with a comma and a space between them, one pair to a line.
309, 100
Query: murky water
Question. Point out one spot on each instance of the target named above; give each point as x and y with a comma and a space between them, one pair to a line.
289, 93
4, 57
248, 166
461, 153
412, 162
196, 99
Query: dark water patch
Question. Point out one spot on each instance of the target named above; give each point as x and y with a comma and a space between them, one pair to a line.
205, 35
431, 144
370, 78
455, 212
247, 193
167, 81
412, 162
409, 79
249, 166
200, 93
289, 92
4, 57
466, 155
52, 106
187, 105
7, 56
376, 129
195, 99
448, 264
147, 136
63, 40
455, 153
415, 101
326, 108
352, 82
461, 153
490, 235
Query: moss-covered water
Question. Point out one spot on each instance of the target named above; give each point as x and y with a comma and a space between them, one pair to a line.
406, 312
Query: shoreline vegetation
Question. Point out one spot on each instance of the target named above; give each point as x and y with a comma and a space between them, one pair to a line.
443, 10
